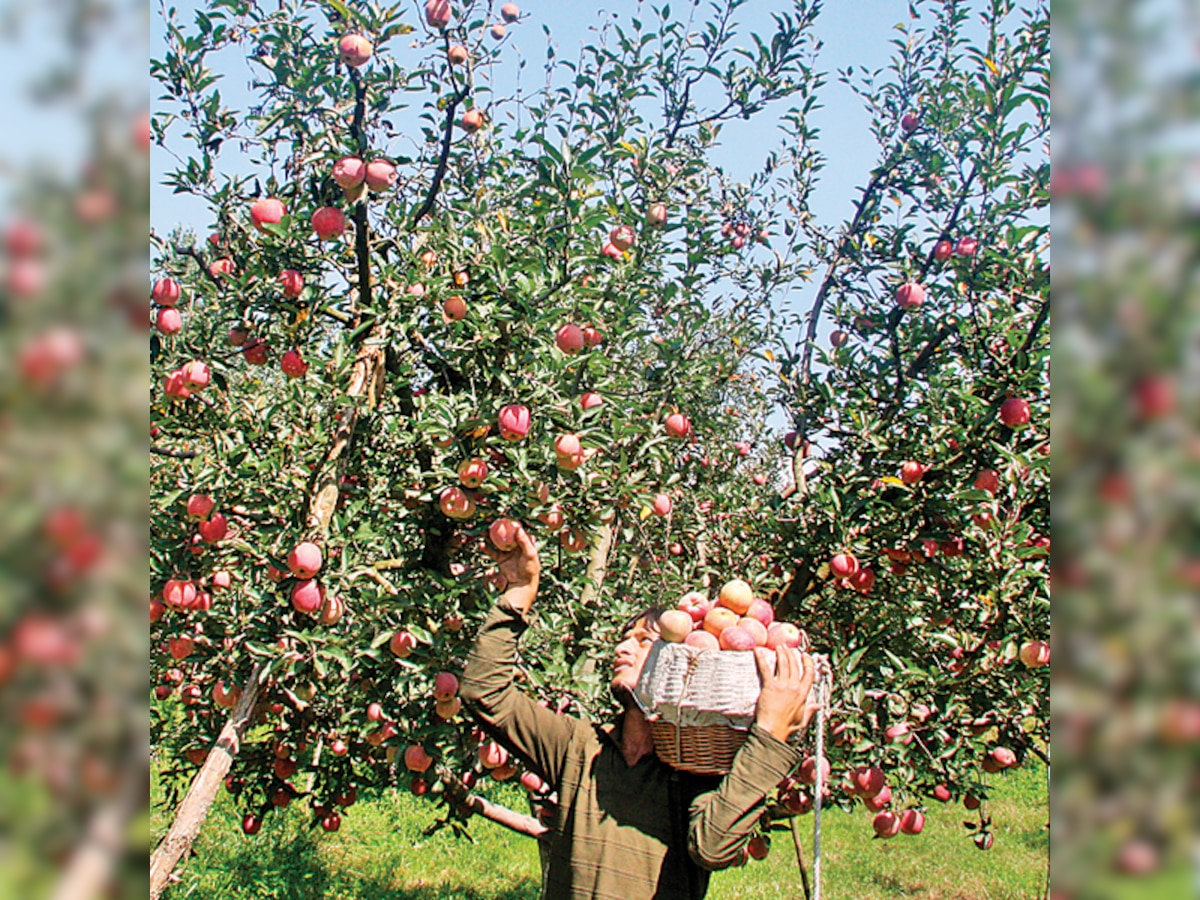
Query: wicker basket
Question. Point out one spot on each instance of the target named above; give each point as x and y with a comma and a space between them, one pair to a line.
700, 704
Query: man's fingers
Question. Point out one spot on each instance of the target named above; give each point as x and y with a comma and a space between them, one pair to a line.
525, 542
764, 664
787, 665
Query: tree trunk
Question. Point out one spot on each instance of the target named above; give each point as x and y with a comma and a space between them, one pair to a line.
194, 808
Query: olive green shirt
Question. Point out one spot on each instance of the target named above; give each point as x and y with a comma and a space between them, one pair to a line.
622, 832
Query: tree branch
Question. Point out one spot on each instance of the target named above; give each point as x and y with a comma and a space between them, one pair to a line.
174, 454
443, 159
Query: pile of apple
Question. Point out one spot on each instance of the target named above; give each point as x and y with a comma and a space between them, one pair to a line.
736, 621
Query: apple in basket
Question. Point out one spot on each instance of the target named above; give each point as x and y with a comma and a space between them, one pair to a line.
675, 625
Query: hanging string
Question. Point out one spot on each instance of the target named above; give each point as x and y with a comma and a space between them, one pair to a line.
824, 689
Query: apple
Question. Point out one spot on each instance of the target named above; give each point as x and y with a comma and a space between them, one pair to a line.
678, 426
762, 611
675, 625
455, 504
886, 824
759, 846
473, 472
447, 709
717, 619
157, 609
796, 802
291, 282
909, 122
967, 246
912, 821
1035, 654
755, 629
736, 637
898, 732
458, 54
375, 712
863, 580
492, 755
880, 800
553, 519
1002, 757
165, 292
402, 644
355, 50
307, 596
971, 802
837, 338
196, 375
200, 506
445, 686
178, 594
661, 505
942, 793
952, 547
592, 336
293, 364
437, 13
503, 534
238, 335
328, 222
569, 339
843, 565
572, 462
702, 640
381, 175
590, 400
331, 821
912, 472
942, 251
656, 214
867, 781
221, 267
567, 445
454, 308
510, 11
215, 529
251, 824
1014, 412
498, 31
910, 295
305, 560
622, 237
255, 352
514, 422
695, 604
349, 172
416, 759
332, 610
181, 647
783, 634
736, 595
267, 211
472, 120
610, 250
988, 480
808, 770
284, 768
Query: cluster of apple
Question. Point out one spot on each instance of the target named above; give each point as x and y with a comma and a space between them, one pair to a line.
570, 339
23, 241
740, 232
328, 222
911, 294
736, 621
620, 239
352, 174
190, 378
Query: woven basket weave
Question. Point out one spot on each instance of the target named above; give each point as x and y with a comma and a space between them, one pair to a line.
700, 704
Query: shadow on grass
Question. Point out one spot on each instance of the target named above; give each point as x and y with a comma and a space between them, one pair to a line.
525, 889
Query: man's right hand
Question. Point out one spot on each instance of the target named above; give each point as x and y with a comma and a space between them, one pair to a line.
521, 569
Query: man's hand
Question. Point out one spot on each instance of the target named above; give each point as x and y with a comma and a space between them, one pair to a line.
783, 703
521, 569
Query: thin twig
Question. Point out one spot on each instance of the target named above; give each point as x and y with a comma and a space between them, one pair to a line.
443, 159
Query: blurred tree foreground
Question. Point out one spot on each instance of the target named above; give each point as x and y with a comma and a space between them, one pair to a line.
427, 304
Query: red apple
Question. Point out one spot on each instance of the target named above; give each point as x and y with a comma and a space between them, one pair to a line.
863, 580
305, 560
661, 505
886, 824
988, 480
196, 375
179, 594
503, 534
622, 237
736, 595
880, 800
569, 339
867, 781
510, 11
472, 120
1014, 412
355, 50
808, 770
678, 426
454, 308
473, 472
1002, 757
592, 336
445, 686
736, 638
331, 822
402, 644
590, 400
458, 54
437, 13
610, 250
942, 793
567, 445
291, 282
255, 352
702, 640
293, 364
307, 596
695, 604
328, 222
381, 175
909, 122
910, 295
238, 335
165, 292
349, 172
492, 755
498, 31
843, 565
215, 529
675, 625
837, 338
447, 709
967, 246
912, 472
1035, 654
656, 214
168, 321
783, 634
912, 821
942, 251
267, 211
755, 629
971, 802
332, 610
200, 506
221, 267
514, 422
416, 759
761, 610
759, 846
180, 647
718, 619
455, 504
251, 824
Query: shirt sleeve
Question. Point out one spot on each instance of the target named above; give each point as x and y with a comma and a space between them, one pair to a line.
721, 822
541, 737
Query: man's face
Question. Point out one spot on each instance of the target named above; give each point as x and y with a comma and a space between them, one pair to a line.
630, 657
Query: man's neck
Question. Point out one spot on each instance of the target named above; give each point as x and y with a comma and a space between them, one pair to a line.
636, 739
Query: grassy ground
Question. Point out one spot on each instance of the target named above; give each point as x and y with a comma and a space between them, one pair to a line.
380, 853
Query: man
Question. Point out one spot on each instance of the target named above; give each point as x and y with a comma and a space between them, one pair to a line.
628, 825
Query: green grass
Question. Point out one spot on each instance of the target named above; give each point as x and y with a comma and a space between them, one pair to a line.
380, 853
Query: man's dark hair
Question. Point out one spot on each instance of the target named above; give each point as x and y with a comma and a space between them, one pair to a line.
651, 614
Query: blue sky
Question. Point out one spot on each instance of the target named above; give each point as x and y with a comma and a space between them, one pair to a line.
853, 33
